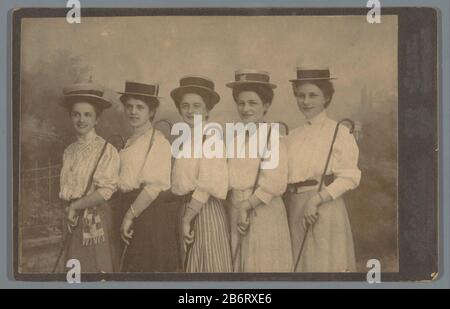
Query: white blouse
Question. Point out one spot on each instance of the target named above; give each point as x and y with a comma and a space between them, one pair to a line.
152, 171
308, 148
205, 176
79, 161
271, 183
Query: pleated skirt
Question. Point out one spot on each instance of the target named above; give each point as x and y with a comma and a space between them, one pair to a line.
328, 245
210, 252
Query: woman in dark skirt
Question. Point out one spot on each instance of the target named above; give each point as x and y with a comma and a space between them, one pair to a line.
88, 179
145, 221
203, 182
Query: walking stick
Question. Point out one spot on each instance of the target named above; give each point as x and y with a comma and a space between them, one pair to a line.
125, 248
166, 122
239, 244
189, 247
122, 145
66, 242
122, 257
185, 264
188, 251
285, 126
61, 251
352, 124
69, 236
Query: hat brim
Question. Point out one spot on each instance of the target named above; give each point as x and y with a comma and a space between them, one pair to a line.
138, 95
238, 83
67, 100
177, 93
307, 79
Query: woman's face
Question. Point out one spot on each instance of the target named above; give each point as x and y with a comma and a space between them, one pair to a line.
84, 117
250, 107
192, 104
310, 99
138, 112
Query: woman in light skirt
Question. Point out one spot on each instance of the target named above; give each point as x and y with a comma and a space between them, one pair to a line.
203, 184
259, 225
322, 216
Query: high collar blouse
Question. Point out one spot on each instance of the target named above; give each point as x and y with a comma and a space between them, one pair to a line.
141, 170
308, 148
243, 172
79, 160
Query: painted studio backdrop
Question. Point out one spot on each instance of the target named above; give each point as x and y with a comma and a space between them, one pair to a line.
110, 50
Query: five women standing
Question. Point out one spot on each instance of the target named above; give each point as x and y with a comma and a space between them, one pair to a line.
254, 234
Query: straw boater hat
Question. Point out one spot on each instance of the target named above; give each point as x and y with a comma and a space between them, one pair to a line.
196, 84
140, 90
85, 91
255, 77
311, 74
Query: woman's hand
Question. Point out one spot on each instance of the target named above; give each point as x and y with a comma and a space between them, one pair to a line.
245, 205
188, 233
190, 213
72, 218
244, 218
126, 230
311, 214
244, 222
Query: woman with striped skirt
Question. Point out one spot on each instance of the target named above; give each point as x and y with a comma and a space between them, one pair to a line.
202, 184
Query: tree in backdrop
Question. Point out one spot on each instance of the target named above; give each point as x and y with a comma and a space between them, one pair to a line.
45, 126
45, 131
373, 205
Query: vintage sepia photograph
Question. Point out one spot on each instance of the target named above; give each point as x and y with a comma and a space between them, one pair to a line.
227, 144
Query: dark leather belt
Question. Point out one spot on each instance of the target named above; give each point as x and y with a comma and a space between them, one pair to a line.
311, 183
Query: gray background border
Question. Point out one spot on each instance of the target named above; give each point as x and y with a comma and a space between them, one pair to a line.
6, 280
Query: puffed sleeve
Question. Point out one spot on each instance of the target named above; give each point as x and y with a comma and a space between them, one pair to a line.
273, 182
155, 175
212, 179
62, 178
107, 174
344, 164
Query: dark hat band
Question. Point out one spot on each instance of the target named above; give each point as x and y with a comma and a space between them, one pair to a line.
143, 89
85, 92
196, 81
252, 77
305, 74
